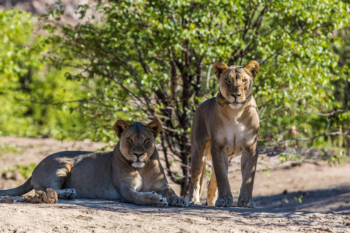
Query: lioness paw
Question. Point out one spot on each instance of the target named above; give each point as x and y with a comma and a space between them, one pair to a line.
194, 203
178, 202
224, 201
153, 199
248, 203
162, 202
66, 194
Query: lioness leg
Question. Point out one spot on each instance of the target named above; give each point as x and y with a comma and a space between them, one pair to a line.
161, 187
212, 189
248, 167
197, 163
143, 198
220, 164
202, 178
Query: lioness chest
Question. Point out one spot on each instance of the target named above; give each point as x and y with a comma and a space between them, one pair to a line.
234, 133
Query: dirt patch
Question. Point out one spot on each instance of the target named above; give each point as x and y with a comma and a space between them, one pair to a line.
311, 197
100, 216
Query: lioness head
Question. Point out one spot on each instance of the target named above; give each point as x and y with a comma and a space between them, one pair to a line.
236, 82
137, 141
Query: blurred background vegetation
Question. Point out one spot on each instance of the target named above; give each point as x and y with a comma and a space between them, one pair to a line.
28, 84
71, 78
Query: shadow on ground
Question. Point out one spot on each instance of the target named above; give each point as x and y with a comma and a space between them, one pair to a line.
295, 203
323, 200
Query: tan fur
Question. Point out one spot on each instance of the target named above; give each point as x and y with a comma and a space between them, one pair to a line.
224, 126
131, 173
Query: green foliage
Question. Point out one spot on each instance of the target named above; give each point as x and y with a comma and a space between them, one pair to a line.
25, 171
334, 159
267, 170
179, 176
33, 95
208, 173
299, 199
16, 48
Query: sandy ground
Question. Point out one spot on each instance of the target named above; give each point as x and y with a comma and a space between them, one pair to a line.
307, 197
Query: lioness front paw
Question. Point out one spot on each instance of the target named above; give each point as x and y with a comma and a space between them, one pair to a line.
154, 199
178, 201
194, 203
162, 202
248, 203
224, 201
66, 194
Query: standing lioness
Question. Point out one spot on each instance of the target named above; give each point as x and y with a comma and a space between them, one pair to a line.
131, 173
224, 126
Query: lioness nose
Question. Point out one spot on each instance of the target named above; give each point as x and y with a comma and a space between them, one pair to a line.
138, 154
236, 95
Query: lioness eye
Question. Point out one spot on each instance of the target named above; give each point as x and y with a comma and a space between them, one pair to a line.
245, 80
227, 80
146, 140
129, 140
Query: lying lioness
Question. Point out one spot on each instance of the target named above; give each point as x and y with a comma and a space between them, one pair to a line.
131, 173
224, 126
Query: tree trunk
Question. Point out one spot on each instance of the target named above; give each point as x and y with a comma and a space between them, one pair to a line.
185, 152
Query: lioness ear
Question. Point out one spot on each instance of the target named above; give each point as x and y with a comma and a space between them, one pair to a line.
119, 127
219, 68
155, 127
253, 67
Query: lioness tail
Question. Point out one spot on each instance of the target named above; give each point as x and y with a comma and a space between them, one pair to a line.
23, 189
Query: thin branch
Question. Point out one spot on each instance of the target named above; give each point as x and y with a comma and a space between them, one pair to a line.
143, 64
